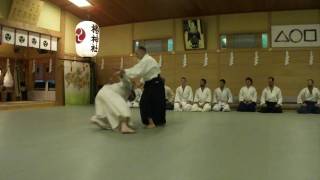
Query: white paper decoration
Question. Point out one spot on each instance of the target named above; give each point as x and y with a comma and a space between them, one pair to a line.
160, 60
33, 66
311, 58
21, 38
184, 61
8, 78
50, 65
45, 42
256, 58
205, 60
231, 60
121, 63
34, 40
287, 59
87, 39
8, 35
102, 64
54, 43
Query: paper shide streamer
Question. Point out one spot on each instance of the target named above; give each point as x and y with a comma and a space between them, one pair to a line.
185, 61
205, 60
256, 58
287, 58
160, 60
311, 58
231, 60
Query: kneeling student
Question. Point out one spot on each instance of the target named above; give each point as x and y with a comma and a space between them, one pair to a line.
309, 99
271, 98
202, 98
184, 97
247, 97
222, 96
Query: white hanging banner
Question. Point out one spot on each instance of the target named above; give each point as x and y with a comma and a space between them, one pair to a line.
185, 61
21, 38
307, 35
205, 60
160, 60
33, 66
34, 40
121, 63
8, 78
45, 42
287, 58
256, 58
311, 58
231, 60
54, 43
8, 35
50, 65
102, 64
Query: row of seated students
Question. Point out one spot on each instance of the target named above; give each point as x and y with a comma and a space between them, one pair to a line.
203, 100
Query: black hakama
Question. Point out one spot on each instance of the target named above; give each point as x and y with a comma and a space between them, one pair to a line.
309, 108
247, 107
153, 102
271, 107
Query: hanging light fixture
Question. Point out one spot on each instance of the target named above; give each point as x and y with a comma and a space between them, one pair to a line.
81, 3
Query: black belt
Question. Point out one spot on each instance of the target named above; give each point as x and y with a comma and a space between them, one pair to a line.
153, 81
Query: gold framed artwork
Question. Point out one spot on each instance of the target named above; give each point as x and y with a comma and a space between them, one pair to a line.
194, 38
26, 11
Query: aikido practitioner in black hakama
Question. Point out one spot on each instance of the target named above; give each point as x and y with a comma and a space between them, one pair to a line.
247, 97
271, 98
152, 102
309, 99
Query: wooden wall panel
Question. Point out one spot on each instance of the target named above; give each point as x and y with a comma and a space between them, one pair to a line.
291, 79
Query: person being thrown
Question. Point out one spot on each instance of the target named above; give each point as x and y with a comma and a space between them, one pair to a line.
112, 111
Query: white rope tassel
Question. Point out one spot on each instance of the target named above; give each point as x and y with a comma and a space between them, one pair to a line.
311, 58
121, 63
8, 63
33, 66
256, 58
287, 59
160, 60
231, 61
102, 64
205, 61
50, 65
185, 61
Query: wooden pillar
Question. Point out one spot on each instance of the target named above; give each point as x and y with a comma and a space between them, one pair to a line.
59, 68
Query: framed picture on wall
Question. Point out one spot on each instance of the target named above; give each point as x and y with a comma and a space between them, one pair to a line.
194, 38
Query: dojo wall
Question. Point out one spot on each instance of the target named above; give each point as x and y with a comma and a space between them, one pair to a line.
117, 42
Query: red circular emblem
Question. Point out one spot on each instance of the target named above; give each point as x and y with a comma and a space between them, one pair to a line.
80, 35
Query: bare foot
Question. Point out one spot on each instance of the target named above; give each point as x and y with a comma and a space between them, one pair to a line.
151, 126
99, 123
127, 130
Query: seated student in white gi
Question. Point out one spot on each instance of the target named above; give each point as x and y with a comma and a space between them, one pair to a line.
202, 98
309, 99
271, 98
112, 111
169, 97
138, 93
247, 97
222, 96
184, 97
